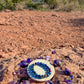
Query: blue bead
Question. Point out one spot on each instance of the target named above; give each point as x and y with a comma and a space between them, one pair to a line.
71, 76
39, 76
41, 57
49, 82
23, 61
67, 72
55, 62
68, 81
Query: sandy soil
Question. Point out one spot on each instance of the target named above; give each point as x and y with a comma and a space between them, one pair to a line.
27, 33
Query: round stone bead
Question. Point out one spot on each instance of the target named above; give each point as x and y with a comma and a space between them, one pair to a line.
67, 72
71, 76
23, 65
29, 60
68, 81
24, 61
53, 52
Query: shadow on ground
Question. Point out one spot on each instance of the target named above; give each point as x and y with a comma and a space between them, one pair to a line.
1, 72
2, 69
77, 22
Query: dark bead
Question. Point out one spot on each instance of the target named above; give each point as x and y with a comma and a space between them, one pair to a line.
68, 81
71, 76
41, 57
29, 60
23, 65
55, 62
53, 52
50, 82
67, 72
24, 61
58, 82
78, 76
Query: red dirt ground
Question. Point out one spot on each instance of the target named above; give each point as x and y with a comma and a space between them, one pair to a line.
23, 32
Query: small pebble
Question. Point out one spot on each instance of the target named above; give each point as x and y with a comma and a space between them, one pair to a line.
44, 57
58, 82
68, 78
1, 56
25, 82
48, 58
59, 69
13, 73
77, 81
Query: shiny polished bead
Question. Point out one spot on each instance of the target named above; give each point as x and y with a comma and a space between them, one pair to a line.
71, 76
29, 60
68, 81
67, 72
53, 52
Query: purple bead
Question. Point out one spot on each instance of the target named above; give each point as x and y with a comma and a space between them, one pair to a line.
66, 69
24, 82
49, 82
23, 65
29, 60
53, 52
24, 61
41, 57
68, 81
18, 64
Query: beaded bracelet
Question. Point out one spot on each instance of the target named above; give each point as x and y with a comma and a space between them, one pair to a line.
33, 74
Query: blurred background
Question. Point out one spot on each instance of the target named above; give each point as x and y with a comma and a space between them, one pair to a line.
43, 5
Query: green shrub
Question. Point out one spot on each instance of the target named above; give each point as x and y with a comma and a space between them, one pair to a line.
17, 1
51, 3
31, 5
7, 4
65, 5
81, 2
